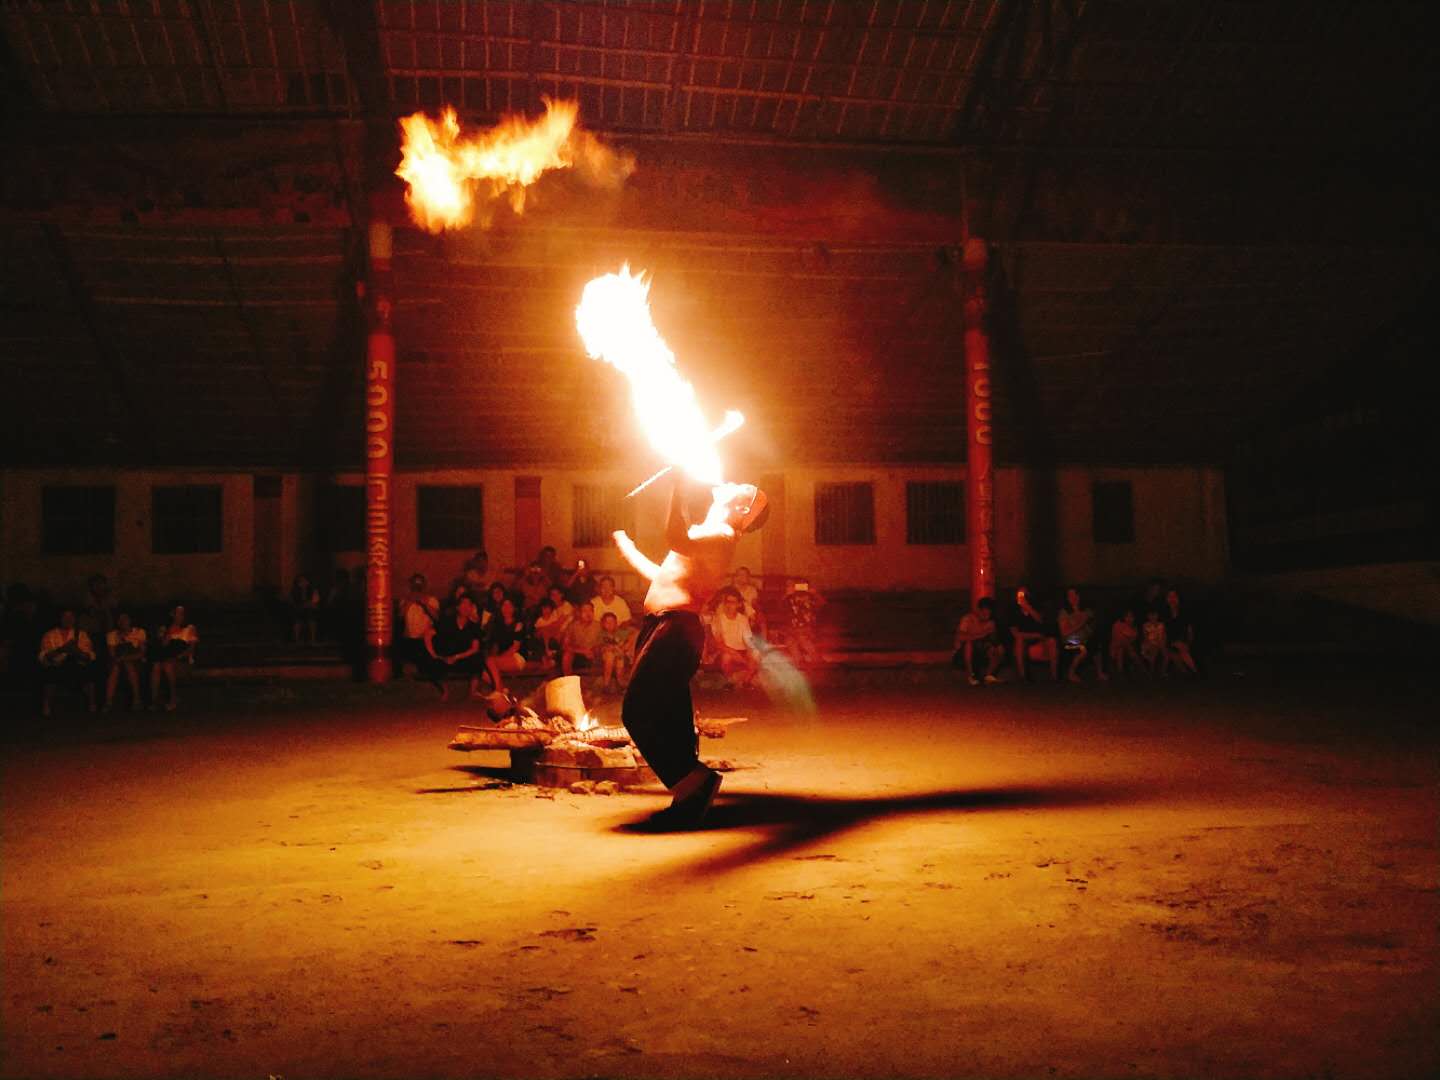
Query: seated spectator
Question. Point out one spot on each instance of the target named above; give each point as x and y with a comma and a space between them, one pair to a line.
67, 658
174, 645
496, 597
419, 612
550, 563
735, 649
534, 586
455, 647
803, 603
477, 565
977, 632
749, 599
304, 610
608, 602
126, 647
580, 646
1179, 633
550, 627
1123, 636
1153, 650
503, 638
582, 586
1077, 636
1034, 636
617, 651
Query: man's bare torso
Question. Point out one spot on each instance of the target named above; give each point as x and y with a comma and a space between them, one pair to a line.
687, 582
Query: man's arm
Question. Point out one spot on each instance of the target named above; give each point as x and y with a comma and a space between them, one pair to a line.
634, 556
677, 531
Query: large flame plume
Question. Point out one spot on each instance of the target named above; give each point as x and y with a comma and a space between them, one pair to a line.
614, 322
445, 170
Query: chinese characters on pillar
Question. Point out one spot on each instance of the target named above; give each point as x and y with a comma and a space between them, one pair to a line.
379, 459
979, 419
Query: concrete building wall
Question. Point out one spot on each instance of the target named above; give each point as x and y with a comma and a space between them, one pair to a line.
1044, 531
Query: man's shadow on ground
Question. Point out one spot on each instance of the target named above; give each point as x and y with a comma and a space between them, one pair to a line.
789, 822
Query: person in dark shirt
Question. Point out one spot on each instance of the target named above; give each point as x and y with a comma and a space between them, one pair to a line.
1179, 633
454, 646
583, 586
503, 636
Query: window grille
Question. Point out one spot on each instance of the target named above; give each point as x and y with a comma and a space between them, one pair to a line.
598, 510
78, 520
451, 518
934, 513
845, 513
1113, 510
186, 519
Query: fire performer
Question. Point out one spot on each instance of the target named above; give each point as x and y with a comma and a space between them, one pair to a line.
657, 709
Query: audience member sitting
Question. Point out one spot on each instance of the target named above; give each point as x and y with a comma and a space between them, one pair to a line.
1034, 636
582, 586
1179, 633
419, 612
126, 646
579, 647
454, 647
174, 645
617, 650
608, 602
749, 592
533, 586
497, 596
1077, 633
503, 638
1123, 635
1152, 644
304, 610
550, 625
735, 649
803, 603
550, 563
977, 632
67, 658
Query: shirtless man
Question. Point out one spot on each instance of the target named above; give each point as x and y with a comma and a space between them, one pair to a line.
657, 710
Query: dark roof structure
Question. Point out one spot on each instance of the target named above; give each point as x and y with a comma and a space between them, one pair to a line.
1195, 209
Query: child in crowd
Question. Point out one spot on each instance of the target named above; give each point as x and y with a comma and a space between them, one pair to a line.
1152, 644
617, 648
803, 603
735, 642
127, 652
977, 633
175, 645
1123, 635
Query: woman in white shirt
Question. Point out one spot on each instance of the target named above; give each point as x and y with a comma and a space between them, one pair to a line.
174, 645
126, 645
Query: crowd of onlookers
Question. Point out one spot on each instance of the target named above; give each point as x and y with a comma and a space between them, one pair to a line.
1152, 631
98, 649
550, 618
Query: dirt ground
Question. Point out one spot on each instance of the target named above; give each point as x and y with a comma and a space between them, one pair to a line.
1233, 878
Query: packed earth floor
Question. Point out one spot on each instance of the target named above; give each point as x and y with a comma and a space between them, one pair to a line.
1235, 877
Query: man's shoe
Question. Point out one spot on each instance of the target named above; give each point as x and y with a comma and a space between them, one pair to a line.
693, 796
974, 681
991, 680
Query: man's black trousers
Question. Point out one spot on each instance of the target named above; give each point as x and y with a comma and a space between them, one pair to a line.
658, 711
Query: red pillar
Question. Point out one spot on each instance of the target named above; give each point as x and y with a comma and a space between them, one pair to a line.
379, 456
979, 458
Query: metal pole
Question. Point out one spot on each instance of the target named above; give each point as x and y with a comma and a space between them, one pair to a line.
979, 418
379, 455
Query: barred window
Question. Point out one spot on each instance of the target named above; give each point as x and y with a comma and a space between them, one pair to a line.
1113, 512
342, 520
186, 519
77, 520
845, 513
451, 518
598, 510
934, 513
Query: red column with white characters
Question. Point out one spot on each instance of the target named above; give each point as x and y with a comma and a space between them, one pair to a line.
979, 420
379, 456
